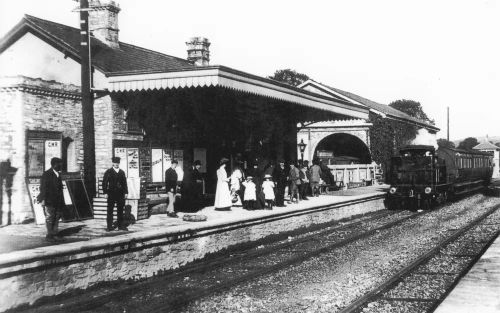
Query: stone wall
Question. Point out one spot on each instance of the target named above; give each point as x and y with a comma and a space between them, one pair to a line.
33, 104
26, 277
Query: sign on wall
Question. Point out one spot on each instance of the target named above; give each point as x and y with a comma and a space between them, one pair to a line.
52, 150
122, 154
35, 158
157, 165
133, 163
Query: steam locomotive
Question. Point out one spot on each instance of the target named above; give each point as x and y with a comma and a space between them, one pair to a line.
422, 177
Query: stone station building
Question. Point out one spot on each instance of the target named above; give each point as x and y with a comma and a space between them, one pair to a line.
149, 107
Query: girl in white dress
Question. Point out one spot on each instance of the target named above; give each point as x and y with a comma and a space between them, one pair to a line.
268, 188
250, 195
236, 178
222, 194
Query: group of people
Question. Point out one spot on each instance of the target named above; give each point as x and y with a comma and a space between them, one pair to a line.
253, 189
262, 189
191, 188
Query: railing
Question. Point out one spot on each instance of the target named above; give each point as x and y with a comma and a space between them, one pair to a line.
356, 175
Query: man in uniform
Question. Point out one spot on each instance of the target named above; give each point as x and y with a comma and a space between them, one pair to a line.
171, 187
52, 199
280, 178
114, 184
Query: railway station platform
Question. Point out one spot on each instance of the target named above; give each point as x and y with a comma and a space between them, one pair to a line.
31, 269
479, 289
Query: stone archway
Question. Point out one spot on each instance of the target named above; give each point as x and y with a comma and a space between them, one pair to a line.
346, 145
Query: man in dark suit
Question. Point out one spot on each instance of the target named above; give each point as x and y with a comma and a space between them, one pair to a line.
114, 184
192, 188
171, 187
280, 178
52, 199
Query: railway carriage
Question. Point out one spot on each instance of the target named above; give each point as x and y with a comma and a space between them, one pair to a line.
421, 176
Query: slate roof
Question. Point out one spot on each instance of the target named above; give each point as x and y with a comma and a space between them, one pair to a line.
128, 58
379, 107
486, 146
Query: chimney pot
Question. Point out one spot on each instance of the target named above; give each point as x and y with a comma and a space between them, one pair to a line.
198, 51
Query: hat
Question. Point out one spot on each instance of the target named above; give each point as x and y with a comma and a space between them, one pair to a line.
281, 161
267, 176
54, 161
115, 159
223, 160
197, 162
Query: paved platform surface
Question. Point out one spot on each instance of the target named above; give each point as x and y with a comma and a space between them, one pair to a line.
29, 236
479, 290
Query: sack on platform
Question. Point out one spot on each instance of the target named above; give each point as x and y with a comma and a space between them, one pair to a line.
194, 218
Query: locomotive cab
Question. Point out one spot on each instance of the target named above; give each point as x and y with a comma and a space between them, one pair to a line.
415, 177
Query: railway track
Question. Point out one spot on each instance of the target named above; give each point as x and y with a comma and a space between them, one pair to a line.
299, 248
423, 285
171, 292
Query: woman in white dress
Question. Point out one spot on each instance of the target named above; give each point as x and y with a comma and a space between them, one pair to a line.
222, 194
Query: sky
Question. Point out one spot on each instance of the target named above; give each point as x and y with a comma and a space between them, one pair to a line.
441, 53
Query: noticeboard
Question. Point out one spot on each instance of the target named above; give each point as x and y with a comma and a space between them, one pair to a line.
76, 200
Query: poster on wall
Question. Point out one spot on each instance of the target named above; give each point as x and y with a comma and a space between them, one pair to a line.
52, 150
35, 158
201, 155
179, 156
133, 163
145, 163
122, 154
157, 165
34, 191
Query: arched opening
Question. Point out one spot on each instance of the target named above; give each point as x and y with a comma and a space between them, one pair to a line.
342, 148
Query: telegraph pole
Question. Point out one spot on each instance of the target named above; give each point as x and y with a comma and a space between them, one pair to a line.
448, 123
87, 102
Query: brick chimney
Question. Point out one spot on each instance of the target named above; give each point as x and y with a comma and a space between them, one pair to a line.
198, 51
103, 21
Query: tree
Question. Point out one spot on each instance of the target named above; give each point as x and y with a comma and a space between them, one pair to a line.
289, 77
468, 143
412, 108
443, 143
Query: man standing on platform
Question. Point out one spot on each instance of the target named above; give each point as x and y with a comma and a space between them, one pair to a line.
192, 188
171, 187
280, 178
51, 198
114, 184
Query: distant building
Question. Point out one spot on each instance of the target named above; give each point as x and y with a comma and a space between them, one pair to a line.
489, 147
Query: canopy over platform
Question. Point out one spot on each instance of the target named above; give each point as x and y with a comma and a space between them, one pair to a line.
225, 77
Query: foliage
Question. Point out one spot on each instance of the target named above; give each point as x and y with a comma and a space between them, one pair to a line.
497, 144
412, 108
443, 143
468, 143
387, 137
289, 77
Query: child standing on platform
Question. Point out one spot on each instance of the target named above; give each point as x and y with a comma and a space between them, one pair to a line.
268, 188
250, 196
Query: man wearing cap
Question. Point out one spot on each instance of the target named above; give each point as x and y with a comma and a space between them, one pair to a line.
171, 187
114, 184
280, 178
52, 199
